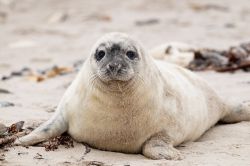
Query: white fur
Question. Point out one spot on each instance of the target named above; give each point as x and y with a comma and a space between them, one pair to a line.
163, 106
174, 52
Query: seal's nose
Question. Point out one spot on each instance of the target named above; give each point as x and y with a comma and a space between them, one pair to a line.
114, 67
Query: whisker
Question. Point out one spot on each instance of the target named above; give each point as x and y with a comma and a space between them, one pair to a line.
119, 87
92, 80
141, 78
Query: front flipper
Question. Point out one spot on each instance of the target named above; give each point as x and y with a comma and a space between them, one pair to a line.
158, 147
52, 128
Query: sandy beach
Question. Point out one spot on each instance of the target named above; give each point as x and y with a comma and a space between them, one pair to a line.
41, 34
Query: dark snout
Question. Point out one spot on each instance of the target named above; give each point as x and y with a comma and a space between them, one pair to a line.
114, 68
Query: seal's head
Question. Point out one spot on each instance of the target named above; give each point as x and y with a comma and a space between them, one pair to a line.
116, 57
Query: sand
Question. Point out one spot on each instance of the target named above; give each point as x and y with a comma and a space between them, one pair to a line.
40, 34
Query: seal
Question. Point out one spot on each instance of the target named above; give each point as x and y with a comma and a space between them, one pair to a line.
125, 101
174, 52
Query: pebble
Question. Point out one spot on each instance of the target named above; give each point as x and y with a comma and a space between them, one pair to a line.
6, 104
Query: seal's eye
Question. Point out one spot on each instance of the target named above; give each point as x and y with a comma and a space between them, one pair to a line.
99, 55
131, 55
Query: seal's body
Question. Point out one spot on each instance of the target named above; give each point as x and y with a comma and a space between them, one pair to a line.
174, 52
123, 100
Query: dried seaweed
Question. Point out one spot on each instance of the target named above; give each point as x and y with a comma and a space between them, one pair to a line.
15, 128
93, 163
38, 156
22, 72
235, 58
204, 7
53, 143
41, 75
9, 134
54, 71
8, 140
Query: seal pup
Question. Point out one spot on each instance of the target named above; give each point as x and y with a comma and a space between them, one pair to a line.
125, 101
174, 52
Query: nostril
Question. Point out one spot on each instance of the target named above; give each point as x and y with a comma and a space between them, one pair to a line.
111, 67
114, 67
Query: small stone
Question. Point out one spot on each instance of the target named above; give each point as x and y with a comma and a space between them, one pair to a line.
6, 104
147, 22
229, 25
58, 17
4, 91
4, 78
3, 129
2, 157
3, 17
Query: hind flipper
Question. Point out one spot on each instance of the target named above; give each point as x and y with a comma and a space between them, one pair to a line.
52, 128
237, 113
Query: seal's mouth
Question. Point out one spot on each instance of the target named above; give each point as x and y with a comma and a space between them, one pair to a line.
116, 74
120, 75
